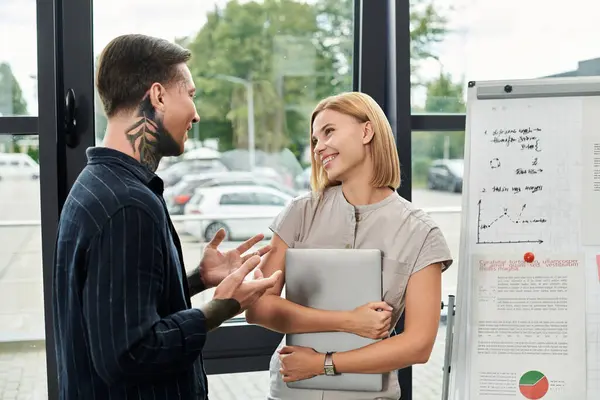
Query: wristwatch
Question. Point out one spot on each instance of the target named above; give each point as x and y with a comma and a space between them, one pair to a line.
329, 367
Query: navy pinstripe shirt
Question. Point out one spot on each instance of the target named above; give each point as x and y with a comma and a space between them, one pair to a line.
123, 320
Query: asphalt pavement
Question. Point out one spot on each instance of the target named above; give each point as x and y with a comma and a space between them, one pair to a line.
22, 361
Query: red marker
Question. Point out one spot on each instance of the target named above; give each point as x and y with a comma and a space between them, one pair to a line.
529, 257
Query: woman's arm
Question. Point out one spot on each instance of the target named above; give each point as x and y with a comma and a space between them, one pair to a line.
413, 346
281, 315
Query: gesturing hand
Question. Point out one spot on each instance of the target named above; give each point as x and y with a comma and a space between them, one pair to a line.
216, 266
245, 291
235, 294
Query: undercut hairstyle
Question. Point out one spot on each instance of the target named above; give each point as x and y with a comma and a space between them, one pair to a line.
130, 64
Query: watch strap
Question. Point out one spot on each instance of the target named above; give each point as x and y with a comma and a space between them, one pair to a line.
329, 367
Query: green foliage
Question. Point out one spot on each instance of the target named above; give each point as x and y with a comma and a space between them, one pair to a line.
427, 27
431, 145
273, 45
294, 53
11, 96
100, 121
16, 147
443, 96
34, 153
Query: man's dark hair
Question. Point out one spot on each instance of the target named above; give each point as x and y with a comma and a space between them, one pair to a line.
130, 64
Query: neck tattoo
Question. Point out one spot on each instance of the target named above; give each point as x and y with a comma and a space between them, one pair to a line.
152, 138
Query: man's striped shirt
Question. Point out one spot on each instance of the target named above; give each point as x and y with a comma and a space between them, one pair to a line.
123, 320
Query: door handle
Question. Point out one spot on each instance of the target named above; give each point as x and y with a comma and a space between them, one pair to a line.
71, 132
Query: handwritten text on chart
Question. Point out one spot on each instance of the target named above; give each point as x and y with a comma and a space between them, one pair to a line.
516, 265
526, 138
515, 189
504, 220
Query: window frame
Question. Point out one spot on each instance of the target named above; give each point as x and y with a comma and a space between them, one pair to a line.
18, 125
65, 61
431, 122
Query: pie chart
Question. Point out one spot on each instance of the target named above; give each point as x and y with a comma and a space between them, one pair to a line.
533, 385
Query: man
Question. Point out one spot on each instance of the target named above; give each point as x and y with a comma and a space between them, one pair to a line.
125, 327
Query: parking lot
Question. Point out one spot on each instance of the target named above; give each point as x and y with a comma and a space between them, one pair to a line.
22, 362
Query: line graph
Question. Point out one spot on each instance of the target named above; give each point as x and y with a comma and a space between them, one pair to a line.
515, 219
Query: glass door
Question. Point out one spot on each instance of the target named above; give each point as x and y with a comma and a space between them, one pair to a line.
260, 68
22, 325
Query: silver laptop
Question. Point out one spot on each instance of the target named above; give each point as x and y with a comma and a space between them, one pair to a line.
333, 279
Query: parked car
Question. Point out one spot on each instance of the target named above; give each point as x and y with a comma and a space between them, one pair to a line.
253, 208
178, 196
18, 166
173, 174
446, 175
302, 180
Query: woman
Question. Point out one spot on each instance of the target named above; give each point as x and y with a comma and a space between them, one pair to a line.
355, 172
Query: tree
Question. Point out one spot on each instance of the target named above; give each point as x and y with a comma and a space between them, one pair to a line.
336, 36
294, 53
427, 27
11, 96
445, 96
272, 45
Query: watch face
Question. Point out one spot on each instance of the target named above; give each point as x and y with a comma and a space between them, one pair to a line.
329, 370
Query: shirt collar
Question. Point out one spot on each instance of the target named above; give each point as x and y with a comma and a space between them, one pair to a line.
105, 155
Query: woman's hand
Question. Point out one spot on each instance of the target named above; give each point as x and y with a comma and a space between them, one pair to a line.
299, 363
372, 320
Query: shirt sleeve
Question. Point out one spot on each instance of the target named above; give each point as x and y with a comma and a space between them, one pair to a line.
128, 338
287, 225
434, 250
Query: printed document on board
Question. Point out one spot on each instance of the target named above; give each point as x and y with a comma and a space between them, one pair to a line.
528, 324
590, 156
590, 196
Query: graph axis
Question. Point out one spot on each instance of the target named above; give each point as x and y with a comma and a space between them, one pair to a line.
479, 241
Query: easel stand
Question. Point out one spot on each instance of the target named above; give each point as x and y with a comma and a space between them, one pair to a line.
449, 338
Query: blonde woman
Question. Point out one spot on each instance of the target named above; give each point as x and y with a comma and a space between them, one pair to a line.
353, 204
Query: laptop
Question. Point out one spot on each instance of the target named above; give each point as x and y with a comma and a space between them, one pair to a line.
333, 279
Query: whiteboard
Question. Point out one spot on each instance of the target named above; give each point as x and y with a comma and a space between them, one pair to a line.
527, 320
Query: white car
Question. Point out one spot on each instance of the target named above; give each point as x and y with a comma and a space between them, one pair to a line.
18, 166
243, 211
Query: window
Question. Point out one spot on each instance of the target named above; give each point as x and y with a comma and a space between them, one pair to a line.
457, 41
267, 199
18, 59
306, 50
22, 331
439, 194
289, 55
227, 182
196, 199
238, 199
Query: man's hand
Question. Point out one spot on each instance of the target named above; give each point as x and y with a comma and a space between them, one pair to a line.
246, 292
215, 266
235, 294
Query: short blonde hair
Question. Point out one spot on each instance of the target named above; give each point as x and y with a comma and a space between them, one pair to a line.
386, 165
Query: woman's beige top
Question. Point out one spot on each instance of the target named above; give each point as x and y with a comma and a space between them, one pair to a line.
408, 238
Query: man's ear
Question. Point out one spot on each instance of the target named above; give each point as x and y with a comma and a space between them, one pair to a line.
157, 94
368, 133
